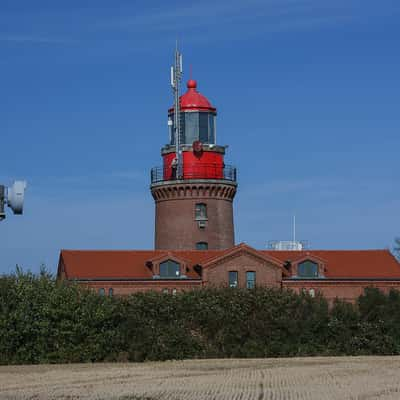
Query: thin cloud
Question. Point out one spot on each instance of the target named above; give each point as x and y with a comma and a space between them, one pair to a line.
270, 15
22, 39
201, 22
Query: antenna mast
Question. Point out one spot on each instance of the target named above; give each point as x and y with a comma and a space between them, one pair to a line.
176, 76
294, 228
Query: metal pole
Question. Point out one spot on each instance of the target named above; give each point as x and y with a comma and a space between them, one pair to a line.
2, 199
177, 75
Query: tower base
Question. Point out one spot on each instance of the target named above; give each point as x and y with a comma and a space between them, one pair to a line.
178, 224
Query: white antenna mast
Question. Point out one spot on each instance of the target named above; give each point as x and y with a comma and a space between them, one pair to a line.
294, 228
176, 76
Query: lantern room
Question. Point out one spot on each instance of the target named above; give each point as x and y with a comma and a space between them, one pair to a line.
198, 118
200, 156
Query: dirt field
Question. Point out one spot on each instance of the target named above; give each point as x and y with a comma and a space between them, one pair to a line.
295, 378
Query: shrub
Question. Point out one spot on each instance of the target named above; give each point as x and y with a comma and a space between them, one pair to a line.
45, 321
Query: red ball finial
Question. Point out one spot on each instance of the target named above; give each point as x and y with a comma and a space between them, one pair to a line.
191, 84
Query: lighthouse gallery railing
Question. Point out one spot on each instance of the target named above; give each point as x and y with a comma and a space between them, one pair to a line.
195, 171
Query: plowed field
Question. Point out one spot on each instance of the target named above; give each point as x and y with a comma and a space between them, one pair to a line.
296, 378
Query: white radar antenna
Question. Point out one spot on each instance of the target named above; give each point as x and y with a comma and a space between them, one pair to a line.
176, 76
13, 197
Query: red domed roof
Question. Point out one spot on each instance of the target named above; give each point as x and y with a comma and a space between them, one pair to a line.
193, 100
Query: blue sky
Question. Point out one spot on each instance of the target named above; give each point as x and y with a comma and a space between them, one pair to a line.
308, 96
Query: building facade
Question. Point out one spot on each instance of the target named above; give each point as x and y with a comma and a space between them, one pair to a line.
333, 273
193, 192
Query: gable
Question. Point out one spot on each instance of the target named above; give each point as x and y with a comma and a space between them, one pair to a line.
265, 272
242, 250
243, 259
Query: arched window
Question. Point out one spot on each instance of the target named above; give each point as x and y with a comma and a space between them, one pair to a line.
111, 292
200, 211
307, 269
102, 292
170, 270
201, 246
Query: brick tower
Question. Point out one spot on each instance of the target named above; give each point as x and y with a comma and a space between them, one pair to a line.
194, 189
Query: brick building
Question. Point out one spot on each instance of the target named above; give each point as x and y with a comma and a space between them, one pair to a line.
334, 273
193, 193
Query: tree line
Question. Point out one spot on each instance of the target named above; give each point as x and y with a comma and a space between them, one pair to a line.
45, 321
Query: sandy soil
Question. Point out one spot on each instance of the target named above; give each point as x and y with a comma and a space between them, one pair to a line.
360, 378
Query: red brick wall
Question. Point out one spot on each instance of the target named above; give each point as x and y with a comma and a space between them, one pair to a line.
121, 288
266, 274
175, 224
345, 290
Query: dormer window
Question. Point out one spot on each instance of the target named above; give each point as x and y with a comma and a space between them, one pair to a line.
170, 270
307, 269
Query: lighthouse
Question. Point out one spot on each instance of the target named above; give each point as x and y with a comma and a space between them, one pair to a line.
194, 189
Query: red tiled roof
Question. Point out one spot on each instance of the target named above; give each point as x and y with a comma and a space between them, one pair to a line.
131, 264
123, 264
348, 263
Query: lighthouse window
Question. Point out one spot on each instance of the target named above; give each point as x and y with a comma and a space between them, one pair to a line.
170, 270
203, 127
211, 123
201, 211
233, 279
201, 246
191, 127
194, 126
307, 269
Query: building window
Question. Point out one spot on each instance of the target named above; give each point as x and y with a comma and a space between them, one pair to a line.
250, 279
311, 292
102, 292
201, 246
174, 291
200, 211
165, 291
170, 270
307, 269
110, 292
233, 279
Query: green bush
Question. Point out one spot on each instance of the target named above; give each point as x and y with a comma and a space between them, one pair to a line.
42, 321
45, 321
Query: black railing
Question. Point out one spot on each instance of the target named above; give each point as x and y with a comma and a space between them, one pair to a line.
195, 171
